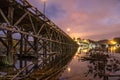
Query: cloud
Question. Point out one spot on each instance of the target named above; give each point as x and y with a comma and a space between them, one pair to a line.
87, 18
55, 11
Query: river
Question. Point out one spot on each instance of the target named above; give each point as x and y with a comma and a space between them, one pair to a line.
93, 65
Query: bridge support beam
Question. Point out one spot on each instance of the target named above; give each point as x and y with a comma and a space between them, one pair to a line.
10, 51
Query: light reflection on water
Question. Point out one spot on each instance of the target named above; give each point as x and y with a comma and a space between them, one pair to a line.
86, 65
93, 65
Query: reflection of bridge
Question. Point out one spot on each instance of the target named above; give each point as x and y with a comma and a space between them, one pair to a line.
26, 32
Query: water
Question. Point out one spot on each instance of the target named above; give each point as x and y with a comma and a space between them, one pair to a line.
93, 65
85, 65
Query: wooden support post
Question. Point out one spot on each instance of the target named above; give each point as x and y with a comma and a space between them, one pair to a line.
48, 50
9, 48
36, 50
9, 36
36, 47
25, 47
21, 63
21, 43
44, 52
44, 48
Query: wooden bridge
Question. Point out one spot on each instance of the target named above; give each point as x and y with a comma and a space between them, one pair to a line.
27, 33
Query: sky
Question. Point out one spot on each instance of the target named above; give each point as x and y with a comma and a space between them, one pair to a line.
88, 19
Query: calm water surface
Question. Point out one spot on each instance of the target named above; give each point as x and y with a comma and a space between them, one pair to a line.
86, 65
93, 65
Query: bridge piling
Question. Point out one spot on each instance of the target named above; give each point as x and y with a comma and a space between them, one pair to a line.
9, 35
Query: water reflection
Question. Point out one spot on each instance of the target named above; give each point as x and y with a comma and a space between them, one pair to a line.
95, 64
102, 65
32, 69
69, 69
114, 49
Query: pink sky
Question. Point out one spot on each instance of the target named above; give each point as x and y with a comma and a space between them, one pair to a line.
91, 19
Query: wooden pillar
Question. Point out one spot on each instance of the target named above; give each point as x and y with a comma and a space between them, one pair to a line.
44, 48
9, 36
36, 46
44, 52
21, 43
36, 51
25, 47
